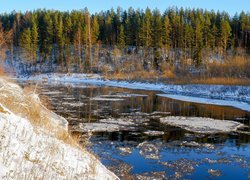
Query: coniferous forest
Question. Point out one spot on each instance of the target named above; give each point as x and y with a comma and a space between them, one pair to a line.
178, 41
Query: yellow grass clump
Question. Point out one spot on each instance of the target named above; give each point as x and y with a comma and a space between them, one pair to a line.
27, 104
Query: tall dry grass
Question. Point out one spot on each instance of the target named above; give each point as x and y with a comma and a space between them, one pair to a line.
221, 81
23, 103
237, 67
233, 71
26, 103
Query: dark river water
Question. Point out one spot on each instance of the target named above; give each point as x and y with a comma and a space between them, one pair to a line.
138, 153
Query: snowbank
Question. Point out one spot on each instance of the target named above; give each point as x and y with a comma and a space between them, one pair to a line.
32, 152
202, 125
220, 92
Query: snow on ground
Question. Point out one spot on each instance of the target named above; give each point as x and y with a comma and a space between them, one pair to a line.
202, 125
233, 94
29, 151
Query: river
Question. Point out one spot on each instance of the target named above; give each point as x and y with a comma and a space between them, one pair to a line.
147, 148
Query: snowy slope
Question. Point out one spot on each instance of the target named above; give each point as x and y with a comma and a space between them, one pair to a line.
239, 94
28, 153
32, 152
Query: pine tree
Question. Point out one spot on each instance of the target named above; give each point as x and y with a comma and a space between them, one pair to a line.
121, 37
225, 34
34, 37
59, 38
137, 27
157, 37
147, 27
157, 29
26, 43
95, 29
108, 30
166, 33
198, 44
78, 47
47, 36
188, 38
130, 24
67, 39
207, 32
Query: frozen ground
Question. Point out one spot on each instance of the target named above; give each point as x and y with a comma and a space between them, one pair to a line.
202, 125
28, 151
236, 96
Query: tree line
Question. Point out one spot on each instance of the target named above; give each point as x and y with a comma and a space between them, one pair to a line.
42, 34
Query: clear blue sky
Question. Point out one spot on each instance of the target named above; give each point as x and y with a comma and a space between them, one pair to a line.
231, 6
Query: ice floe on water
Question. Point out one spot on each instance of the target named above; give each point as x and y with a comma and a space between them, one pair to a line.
153, 133
106, 99
156, 113
125, 150
202, 125
123, 95
240, 105
98, 127
51, 93
116, 97
75, 104
105, 126
119, 121
148, 150
214, 172
181, 167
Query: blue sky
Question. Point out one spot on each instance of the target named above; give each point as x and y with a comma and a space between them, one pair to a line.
231, 6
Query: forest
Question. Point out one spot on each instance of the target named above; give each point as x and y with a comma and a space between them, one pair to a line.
131, 43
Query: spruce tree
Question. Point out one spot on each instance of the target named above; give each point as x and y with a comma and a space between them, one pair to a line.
121, 37
34, 37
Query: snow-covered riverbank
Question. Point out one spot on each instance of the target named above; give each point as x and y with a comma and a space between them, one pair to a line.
32, 149
236, 96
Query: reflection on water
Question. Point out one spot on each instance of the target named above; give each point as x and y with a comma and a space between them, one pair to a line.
173, 152
149, 103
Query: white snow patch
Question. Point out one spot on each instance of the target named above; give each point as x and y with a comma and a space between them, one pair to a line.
30, 153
